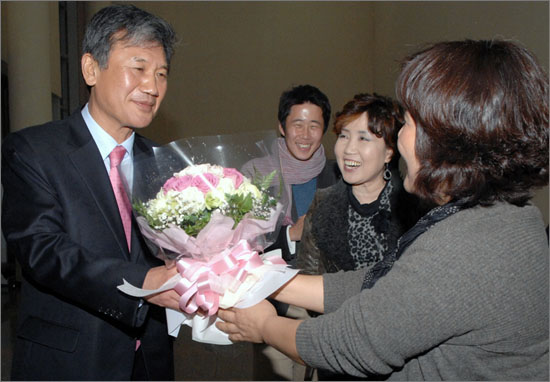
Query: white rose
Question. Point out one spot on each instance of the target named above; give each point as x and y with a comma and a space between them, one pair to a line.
216, 170
191, 200
249, 188
214, 199
194, 170
160, 204
226, 186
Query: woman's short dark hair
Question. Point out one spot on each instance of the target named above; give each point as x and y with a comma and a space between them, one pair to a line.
303, 94
385, 118
481, 111
126, 23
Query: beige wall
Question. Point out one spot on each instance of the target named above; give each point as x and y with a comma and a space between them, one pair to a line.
26, 31
402, 26
235, 58
4, 29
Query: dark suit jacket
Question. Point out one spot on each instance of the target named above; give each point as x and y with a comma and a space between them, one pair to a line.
60, 218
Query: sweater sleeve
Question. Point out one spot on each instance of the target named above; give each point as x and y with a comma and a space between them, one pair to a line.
442, 294
340, 286
378, 329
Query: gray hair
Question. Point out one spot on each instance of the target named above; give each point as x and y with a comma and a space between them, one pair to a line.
137, 28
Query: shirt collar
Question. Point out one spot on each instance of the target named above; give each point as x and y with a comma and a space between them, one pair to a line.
103, 140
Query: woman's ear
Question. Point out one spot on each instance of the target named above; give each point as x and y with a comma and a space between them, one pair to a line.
281, 130
389, 155
90, 69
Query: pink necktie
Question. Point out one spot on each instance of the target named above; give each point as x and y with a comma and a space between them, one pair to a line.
122, 200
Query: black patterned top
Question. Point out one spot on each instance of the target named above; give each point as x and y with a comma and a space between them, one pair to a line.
367, 244
341, 234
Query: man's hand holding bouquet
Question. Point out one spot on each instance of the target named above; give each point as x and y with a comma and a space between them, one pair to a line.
212, 222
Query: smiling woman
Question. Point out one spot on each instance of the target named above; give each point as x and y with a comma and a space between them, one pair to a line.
355, 223
362, 157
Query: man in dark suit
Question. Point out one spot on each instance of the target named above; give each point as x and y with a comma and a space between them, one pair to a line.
61, 218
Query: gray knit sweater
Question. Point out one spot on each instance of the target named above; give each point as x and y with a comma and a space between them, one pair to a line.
468, 300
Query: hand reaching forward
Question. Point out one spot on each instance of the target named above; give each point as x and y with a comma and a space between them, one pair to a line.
260, 323
246, 324
154, 279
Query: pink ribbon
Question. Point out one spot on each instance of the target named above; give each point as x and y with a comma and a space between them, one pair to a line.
203, 283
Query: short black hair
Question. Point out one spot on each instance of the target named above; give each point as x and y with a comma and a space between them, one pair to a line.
303, 94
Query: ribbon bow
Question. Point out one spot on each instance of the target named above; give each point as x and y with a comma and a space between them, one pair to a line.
203, 283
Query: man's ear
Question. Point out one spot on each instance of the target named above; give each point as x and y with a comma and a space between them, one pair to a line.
90, 69
281, 130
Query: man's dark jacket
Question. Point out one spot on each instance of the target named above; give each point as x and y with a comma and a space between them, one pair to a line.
60, 219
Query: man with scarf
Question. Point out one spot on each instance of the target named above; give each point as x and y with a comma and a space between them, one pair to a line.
304, 114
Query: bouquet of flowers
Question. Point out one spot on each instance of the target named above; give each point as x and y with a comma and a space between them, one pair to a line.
212, 222
189, 198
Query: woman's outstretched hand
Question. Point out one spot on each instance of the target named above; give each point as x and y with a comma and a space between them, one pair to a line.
260, 323
246, 324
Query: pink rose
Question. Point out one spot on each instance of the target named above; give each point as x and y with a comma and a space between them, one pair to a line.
177, 183
205, 182
235, 175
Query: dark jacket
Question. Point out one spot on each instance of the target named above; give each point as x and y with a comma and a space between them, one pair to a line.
61, 220
325, 242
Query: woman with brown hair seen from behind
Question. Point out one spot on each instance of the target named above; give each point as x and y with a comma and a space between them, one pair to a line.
468, 298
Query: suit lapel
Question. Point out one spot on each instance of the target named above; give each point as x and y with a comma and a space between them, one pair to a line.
143, 155
87, 160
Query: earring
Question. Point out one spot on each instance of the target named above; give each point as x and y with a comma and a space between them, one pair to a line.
387, 172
